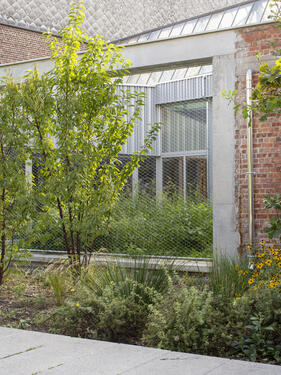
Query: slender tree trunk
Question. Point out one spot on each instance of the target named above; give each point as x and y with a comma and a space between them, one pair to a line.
3, 238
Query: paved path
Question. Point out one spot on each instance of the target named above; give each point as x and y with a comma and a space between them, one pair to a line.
30, 353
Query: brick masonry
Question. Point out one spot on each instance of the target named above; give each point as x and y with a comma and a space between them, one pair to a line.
266, 135
18, 44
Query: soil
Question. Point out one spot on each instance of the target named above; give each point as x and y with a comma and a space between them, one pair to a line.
24, 300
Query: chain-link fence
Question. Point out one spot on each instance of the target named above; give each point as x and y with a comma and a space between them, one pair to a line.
165, 208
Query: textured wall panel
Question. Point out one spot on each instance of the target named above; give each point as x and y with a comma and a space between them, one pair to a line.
112, 18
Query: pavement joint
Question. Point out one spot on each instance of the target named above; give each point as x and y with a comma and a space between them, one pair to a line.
22, 352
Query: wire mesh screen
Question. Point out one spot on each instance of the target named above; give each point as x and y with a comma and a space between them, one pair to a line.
165, 208
169, 210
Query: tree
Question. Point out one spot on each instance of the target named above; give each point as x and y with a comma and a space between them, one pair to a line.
14, 187
79, 120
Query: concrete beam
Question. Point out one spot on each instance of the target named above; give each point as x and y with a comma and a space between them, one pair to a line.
190, 49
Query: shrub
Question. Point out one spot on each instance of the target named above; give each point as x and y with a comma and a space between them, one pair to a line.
111, 316
185, 320
257, 326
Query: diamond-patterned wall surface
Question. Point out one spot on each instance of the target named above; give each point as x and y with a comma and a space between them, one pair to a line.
114, 19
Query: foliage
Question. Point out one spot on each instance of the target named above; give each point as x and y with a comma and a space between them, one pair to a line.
14, 187
79, 122
127, 277
265, 270
225, 278
274, 228
257, 326
175, 227
184, 320
114, 315
57, 276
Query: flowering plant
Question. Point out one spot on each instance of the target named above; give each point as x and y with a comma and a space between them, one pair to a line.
265, 267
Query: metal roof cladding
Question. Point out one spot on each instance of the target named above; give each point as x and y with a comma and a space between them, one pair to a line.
243, 14
114, 19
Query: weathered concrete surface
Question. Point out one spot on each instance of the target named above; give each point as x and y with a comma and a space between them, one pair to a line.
196, 265
226, 236
30, 353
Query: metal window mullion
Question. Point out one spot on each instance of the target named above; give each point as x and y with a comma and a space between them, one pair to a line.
184, 178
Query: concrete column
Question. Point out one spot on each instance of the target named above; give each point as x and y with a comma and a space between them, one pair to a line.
28, 172
226, 236
135, 182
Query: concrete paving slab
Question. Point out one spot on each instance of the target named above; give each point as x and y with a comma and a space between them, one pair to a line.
234, 367
32, 353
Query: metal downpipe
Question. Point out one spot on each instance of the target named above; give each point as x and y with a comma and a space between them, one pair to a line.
250, 171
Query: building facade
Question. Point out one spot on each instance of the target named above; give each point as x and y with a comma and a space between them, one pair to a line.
183, 67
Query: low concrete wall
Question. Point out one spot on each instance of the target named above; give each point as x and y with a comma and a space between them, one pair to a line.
194, 265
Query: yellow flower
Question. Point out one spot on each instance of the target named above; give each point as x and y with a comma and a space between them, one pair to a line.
169, 278
262, 242
184, 278
236, 267
77, 304
259, 265
268, 262
279, 264
72, 290
261, 255
251, 281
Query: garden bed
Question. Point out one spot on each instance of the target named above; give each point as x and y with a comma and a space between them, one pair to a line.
219, 315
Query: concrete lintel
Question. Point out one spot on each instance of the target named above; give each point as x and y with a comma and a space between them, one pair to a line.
184, 50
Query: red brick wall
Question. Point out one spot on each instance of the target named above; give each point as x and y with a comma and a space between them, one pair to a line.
266, 135
18, 44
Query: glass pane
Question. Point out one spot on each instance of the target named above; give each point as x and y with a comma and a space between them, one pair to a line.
143, 79
154, 35
214, 22
167, 75
165, 32
132, 40
143, 38
206, 69
184, 127
201, 24
177, 30
257, 11
147, 175
125, 79
242, 15
188, 27
173, 177
228, 18
267, 14
179, 74
133, 79
193, 71
196, 177
154, 78
120, 163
